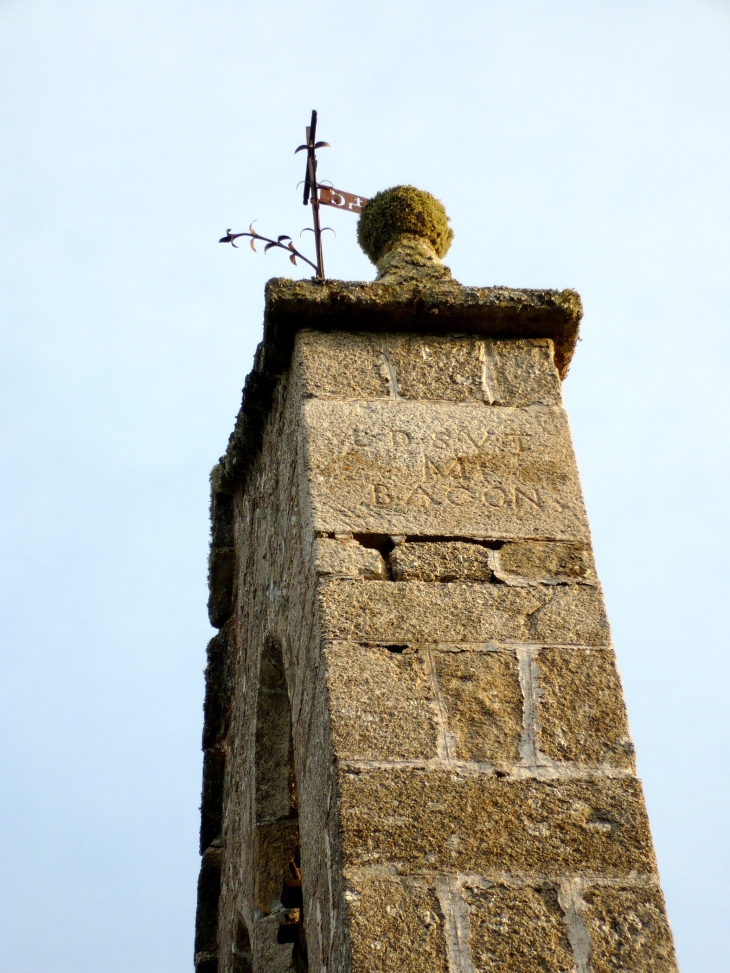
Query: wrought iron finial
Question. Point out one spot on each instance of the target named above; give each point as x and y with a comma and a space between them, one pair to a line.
314, 193
310, 186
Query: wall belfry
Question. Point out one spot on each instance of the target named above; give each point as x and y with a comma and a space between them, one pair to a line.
417, 757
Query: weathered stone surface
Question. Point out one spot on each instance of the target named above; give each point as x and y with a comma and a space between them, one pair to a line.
442, 469
457, 368
384, 307
629, 930
211, 803
221, 569
275, 843
434, 820
395, 926
218, 688
206, 917
381, 703
420, 611
522, 373
483, 701
520, 929
241, 947
268, 953
461, 369
447, 367
340, 365
441, 307
581, 712
545, 560
347, 559
273, 744
443, 561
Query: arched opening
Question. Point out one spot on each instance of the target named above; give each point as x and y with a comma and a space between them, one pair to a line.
279, 944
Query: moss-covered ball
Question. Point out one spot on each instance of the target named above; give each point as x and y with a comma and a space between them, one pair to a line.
398, 211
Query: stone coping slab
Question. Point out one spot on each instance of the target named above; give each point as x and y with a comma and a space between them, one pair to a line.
421, 306
439, 307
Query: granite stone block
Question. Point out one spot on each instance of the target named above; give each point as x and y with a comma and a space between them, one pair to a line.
339, 365
433, 820
483, 702
628, 930
520, 929
581, 712
395, 926
420, 611
446, 367
347, 559
442, 469
381, 703
539, 560
523, 373
443, 561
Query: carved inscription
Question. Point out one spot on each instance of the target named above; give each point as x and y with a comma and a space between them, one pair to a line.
437, 468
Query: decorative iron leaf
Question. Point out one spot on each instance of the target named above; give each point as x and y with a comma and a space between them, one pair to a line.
293, 259
322, 145
300, 148
251, 229
290, 246
252, 246
283, 237
268, 247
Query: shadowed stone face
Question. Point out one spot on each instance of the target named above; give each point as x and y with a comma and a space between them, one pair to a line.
417, 757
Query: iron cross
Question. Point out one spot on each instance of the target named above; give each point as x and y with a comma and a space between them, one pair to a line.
311, 188
314, 193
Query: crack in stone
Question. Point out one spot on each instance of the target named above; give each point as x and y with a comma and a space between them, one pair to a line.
445, 741
528, 676
388, 368
571, 902
488, 377
456, 924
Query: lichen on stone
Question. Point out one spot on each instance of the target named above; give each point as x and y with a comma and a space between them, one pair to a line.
403, 211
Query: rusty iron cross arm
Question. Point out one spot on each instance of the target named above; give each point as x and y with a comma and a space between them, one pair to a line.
279, 242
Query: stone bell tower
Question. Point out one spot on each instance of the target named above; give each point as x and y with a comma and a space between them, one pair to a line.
417, 758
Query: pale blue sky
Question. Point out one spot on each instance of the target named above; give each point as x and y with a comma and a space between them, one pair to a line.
578, 143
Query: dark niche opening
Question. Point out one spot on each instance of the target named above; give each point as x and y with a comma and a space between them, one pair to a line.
277, 856
242, 955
